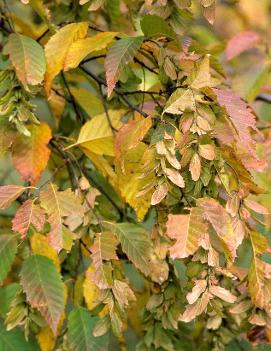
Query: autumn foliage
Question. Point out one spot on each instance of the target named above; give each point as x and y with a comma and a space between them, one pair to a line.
135, 175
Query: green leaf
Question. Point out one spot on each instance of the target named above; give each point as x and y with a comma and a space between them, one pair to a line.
153, 26
7, 294
27, 57
44, 288
80, 332
14, 340
119, 55
134, 242
8, 249
258, 83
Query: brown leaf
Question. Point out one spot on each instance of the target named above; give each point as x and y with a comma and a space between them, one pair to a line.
187, 229
207, 151
159, 194
9, 193
222, 293
222, 224
196, 309
195, 167
198, 289
175, 176
28, 213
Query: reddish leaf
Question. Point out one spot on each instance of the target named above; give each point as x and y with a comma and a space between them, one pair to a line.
239, 113
241, 42
28, 213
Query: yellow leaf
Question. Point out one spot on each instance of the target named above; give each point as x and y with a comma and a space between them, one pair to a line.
88, 101
56, 49
96, 135
46, 339
83, 47
132, 182
40, 246
130, 135
91, 291
57, 104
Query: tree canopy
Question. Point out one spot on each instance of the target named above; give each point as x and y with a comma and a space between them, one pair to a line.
135, 187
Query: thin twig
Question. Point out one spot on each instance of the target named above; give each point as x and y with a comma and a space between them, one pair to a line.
264, 97
70, 168
105, 109
100, 81
77, 112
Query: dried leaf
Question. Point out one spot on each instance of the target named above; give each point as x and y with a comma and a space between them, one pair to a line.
175, 176
159, 194
188, 230
196, 309
195, 167
207, 151
222, 293
239, 113
198, 289
9, 193
103, 249
28, 213
223, 225
58, 204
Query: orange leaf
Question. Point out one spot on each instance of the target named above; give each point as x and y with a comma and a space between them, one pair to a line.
30, 154
130, 135
187, 229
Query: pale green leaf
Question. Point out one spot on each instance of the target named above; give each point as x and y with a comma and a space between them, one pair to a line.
80, 332
134, 242
14, 340
155, 26
119, 55
27, 57
44, 288
8, 249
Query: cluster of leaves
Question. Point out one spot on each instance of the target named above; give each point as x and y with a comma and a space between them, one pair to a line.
137, 211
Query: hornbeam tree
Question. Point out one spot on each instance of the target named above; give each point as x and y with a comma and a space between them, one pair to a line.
135, 184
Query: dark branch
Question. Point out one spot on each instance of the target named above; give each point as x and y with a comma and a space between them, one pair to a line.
101, 81
264, 97
77, 112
